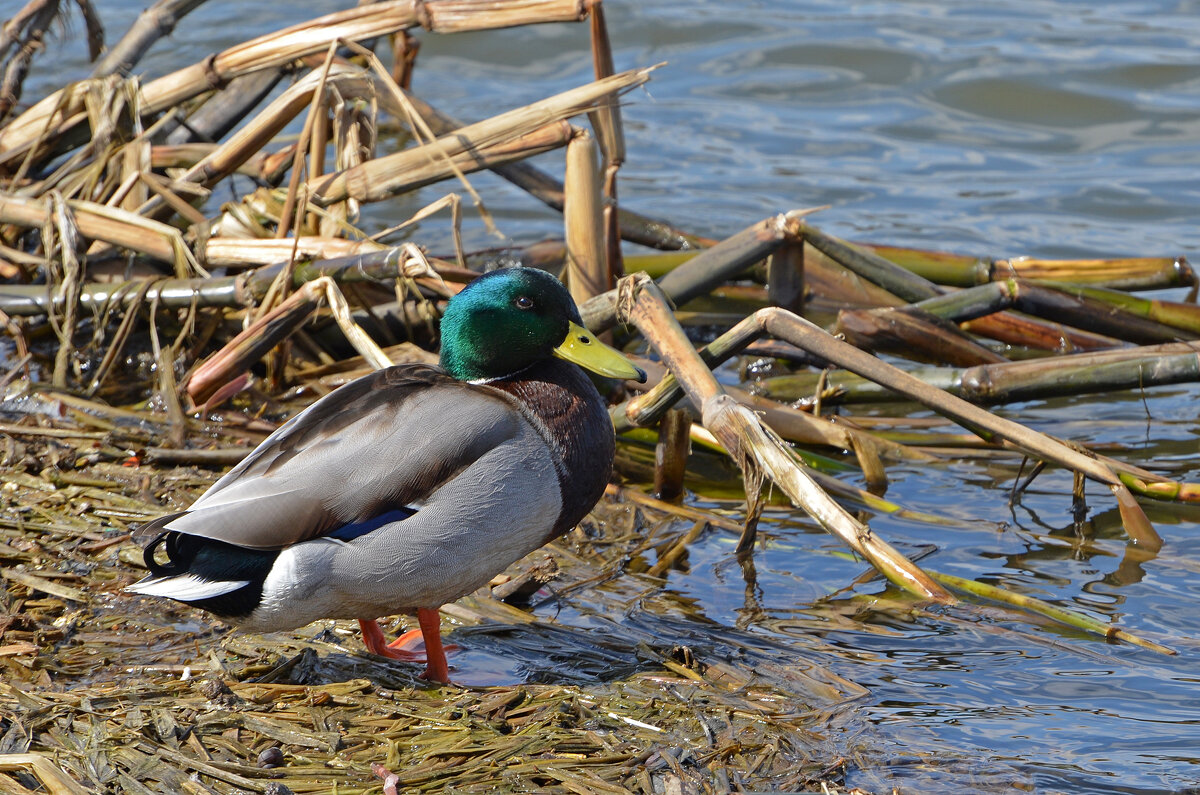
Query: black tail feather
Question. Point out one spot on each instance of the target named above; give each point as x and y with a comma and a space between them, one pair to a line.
216, 561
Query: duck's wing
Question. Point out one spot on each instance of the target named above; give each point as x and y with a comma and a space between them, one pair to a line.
381, 444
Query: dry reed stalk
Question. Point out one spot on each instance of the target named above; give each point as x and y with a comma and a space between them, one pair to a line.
755, 448
243, 290
98, 222
1084, 311
1068, 617
151, 25
273, 49
27, 300
457, 16
913, 334
633, 227
227, 365
887, 284
1080, 373
614, 252
968, 303
247, 142
60, 111
25, 33
939, 267
989, 300
671, 453
1017, 329
10, 32
223, 109
405, 261
785, 277
450, 200
169, 193
627, 494
587, 268
610, 135
230, 252
317, 114
1178, 314
1129, 273
804, 428
262, 165
112, 109
830, 283
135, 161
131, 181
870, 266
359, 339
790, 423
706, 270
60, 234
1169, 490
397, 103
354, 126
319, 140
405, 48
120, 337
164, 359
411, 169
606, 120
49, 775
381, 177
668, 558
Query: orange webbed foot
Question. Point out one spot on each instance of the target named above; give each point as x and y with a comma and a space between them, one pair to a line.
413, 642
408, 647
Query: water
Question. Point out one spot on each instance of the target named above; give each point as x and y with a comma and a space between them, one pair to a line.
1040, 128
1044, 128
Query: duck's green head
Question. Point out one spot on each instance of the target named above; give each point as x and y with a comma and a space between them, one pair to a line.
510, 319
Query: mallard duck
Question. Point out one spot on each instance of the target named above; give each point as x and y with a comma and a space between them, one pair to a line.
409, 487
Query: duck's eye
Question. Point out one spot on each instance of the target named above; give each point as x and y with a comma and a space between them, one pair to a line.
524, 302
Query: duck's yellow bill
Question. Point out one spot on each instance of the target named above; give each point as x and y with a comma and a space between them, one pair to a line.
581, 347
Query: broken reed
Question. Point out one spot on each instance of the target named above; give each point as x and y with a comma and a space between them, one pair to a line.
1011, 382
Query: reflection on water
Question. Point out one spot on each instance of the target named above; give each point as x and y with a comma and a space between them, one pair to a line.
1031, 127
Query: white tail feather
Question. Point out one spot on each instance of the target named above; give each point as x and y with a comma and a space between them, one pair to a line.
185, 587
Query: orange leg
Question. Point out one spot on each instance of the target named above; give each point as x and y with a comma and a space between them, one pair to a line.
436, 669
403, 647
376, 643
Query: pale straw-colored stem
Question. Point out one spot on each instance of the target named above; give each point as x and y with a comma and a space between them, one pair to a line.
110, 224
583, 215
379, 178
